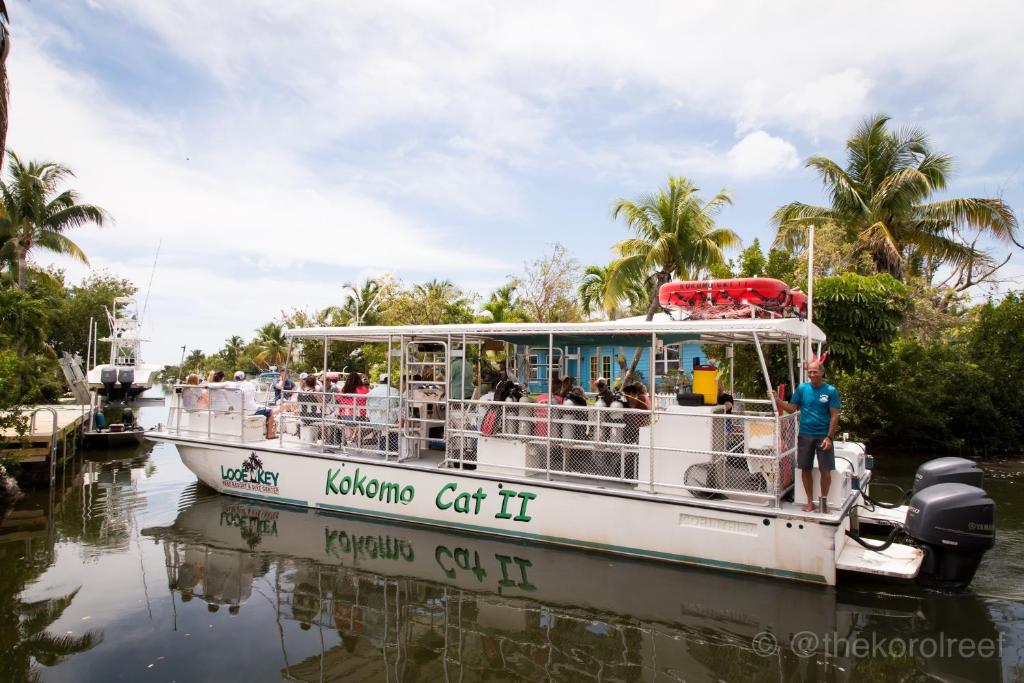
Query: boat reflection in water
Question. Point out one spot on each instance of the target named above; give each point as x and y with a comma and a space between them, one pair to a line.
355, 597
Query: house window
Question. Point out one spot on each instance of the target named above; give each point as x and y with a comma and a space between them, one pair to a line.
606, 367
668, 359
594, 372
535, 369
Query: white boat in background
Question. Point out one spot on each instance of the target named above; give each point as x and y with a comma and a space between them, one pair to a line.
687, 483
126, 375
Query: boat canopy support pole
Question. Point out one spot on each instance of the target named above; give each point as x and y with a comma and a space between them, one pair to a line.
775, 411
551, 353
789, 364
652, 366
387, 403
764, 371
323, 398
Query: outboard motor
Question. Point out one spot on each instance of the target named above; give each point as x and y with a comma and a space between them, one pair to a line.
125, 376
128, 417
108, 378
955, 523
948, 471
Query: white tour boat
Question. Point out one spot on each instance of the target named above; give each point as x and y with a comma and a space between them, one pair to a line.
680, 483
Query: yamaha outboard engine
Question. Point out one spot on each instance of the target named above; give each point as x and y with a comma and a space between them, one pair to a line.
948, 471
955, 524
125, 376
108, 378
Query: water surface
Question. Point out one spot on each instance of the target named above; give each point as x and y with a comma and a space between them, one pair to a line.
135, 572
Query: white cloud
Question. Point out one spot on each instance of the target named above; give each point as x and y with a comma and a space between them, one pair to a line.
394, 135
759, 154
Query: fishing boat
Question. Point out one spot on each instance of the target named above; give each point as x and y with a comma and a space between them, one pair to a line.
674, 481
126, 375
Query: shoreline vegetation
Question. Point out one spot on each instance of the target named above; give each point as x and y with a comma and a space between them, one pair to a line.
923, 322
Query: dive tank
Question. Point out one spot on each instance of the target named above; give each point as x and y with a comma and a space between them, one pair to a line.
955, 524
615, 434
525, 423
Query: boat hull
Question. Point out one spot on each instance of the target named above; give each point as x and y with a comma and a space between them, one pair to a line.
616, 521
108, 439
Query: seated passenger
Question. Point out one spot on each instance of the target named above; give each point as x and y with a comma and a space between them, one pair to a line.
220, 401
382, 409
284, 388
310, 408
605, 396
247, 393
190, 396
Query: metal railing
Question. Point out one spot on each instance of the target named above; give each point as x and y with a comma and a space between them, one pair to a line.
696, 452
701, 452
337, 422
199, 410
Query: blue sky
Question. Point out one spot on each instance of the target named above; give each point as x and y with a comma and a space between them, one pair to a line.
276, 150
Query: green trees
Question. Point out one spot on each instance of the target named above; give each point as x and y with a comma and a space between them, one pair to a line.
433, 302
861, 316
35, 213
361, 305
504, 305
77, 303
880, 205
271, 345
548, 287
675, 237
597, 295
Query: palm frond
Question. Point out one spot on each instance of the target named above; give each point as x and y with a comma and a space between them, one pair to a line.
993, 216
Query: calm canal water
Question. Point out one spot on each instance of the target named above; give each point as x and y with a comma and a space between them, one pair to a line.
137, 573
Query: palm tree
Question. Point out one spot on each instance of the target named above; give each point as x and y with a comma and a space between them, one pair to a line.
503, 306
439, 301
271, 344
676, 236
24, 319
879, 202
595, 296
233, 347
361, 305
5, 48
35, 213
32, 643
194, 360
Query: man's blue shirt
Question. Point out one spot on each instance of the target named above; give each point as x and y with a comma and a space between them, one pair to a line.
815, 407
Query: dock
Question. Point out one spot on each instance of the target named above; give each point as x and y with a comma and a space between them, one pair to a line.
43, 437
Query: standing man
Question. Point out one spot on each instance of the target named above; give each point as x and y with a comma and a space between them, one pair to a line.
818, 404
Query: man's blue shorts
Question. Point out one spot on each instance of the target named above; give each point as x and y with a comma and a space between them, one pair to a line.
809, 446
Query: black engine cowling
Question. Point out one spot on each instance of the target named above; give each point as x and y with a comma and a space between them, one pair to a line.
948, 471
956, 524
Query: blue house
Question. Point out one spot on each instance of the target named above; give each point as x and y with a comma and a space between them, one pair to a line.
587, 363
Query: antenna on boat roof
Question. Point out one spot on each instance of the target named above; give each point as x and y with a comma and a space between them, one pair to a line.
145, 305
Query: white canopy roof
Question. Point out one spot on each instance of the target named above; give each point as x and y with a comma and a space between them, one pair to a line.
768, 330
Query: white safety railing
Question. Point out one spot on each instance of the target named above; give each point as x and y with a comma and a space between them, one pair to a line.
215, 412
337, 422
696, 452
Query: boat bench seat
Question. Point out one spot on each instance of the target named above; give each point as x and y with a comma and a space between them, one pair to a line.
227, 425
